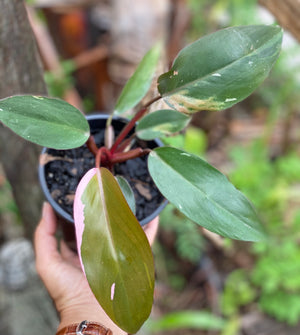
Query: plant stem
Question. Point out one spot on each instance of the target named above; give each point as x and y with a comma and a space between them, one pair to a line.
91, 144
149, 103
132, 123
124, 156
125, 144
103, 156
127, 129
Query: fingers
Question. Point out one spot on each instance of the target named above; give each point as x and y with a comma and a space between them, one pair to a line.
68, 255
44, 240
151, 229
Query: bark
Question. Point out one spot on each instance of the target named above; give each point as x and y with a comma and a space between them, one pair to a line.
20, 73
287, 12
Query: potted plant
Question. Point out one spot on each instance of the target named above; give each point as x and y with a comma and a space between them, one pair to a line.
213, 73
61, 170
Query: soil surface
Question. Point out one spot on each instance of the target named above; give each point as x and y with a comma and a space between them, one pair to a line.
65, 168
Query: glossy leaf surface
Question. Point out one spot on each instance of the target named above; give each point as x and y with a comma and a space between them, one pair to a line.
127, 192
221, 69
161, 123
115, 252
49, 122
203, 194
139, 84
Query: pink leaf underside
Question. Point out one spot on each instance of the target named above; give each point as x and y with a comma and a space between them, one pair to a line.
78, 209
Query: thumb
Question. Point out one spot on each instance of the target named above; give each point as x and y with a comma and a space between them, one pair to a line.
44, 240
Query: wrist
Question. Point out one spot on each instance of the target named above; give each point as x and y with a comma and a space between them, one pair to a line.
76, 315
85, 327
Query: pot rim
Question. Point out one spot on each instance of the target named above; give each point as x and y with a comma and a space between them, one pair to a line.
59, 210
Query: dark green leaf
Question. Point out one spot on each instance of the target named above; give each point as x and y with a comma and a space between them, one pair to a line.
161, 122
139, 84
221, 69
116, 254
45, 121
203, 194
127, 191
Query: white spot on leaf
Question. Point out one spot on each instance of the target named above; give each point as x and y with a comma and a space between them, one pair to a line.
112, 291
175, 73
185, 154
1, 110
216, 75
230, 99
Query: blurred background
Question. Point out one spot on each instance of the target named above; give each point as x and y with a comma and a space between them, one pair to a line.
205, 284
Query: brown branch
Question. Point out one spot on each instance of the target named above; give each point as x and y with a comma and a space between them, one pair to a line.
287, 12
51, 58
90, 56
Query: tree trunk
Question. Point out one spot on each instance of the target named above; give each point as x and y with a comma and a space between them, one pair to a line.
20, 73
287, 12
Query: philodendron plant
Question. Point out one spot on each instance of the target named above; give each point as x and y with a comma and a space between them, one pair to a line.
213, 73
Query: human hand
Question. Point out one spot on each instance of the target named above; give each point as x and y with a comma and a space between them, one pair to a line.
62, 275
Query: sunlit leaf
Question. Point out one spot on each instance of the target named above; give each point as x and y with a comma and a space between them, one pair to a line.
49, 122
128, 192
139, 84
221, 69
204, 194
115, 252
160, 123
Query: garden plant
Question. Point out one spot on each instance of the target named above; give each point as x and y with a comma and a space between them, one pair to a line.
213, 73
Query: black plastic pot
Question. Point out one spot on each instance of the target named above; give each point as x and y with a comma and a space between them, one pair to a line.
96, 122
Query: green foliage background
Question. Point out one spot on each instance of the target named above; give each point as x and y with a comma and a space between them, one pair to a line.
271, 182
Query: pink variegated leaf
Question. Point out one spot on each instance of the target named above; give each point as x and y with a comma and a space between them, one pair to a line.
114, 250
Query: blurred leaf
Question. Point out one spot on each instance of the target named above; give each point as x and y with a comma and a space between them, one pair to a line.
232, 326
284, 306
176, 141
115, 251
221, 69
57, 84
237, 292
189, 240
195, 141
139, 84
186, 320
127, 192
49, 122
161, 122
203, 194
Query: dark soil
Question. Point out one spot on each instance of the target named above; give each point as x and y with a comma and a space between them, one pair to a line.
65, 168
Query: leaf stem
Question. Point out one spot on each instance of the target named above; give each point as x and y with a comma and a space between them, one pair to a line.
124, 156
150, 102
125, 144
91, 144
127, 129
102, 157
132, 123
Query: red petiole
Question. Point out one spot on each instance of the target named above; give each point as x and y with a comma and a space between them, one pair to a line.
109, 157
124, 156
126, 130
103, 157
